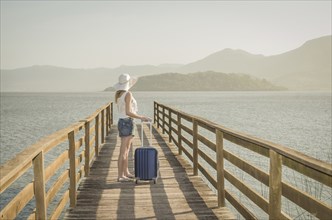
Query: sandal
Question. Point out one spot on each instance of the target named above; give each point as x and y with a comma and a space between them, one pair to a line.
123, 179
131, 176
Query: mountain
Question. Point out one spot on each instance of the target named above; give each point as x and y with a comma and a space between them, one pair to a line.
202, 81
44, 78
54, 79
305, 68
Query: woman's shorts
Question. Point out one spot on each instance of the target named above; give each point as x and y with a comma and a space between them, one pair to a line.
126, 127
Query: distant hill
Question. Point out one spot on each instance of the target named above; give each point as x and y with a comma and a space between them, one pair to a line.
305, 68
202, 81
45, 78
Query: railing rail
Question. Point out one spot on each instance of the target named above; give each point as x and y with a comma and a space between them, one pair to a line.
171, 121
34, 157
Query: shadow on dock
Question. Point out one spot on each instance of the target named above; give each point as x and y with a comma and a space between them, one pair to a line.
175, 195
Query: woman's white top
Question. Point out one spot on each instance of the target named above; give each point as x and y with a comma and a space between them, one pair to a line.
121, 102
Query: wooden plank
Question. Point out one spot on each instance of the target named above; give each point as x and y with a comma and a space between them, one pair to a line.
307, 202
249, 145
308, 171
87, 148
247, 167
169, 126
207, 142
185, 140
154, 112
92, 141
61, 205
207, 159
15, 206
175, 141
80, 174
39, 186
102, 126
246, 190
174, 130
186, 116
163, 119
79, 143
92, 129
56, 164
96, 134
56, 186
179, 134
186, 129
72, 169
79, 158
32, 216
207, 175
107, 120
173, 120
111, 109
7, 177
92, 156
275, 185
195, 148
203, 124
220, 168
239, 206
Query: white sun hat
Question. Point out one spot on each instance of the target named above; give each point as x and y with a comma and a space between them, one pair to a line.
125, 82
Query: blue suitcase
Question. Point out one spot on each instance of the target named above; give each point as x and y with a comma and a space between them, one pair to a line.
146, 161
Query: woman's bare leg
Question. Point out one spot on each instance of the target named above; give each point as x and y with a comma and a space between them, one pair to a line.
125, 168
123, 156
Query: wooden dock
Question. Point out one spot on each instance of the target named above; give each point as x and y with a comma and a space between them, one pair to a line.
82, 171
177, 195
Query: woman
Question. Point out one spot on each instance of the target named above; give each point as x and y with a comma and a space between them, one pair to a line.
127, 108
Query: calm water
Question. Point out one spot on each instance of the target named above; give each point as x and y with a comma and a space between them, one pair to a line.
298, 120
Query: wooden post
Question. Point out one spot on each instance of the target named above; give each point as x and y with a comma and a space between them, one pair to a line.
39, 186
195, 148
275, 185
96, 134
107, 120
111, 114
158, 117
179, 134
87, 148
163, 120
72, 169
220, 168
154, 112
102, 126
169, 126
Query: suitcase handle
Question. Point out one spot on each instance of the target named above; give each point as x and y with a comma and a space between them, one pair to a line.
142, 124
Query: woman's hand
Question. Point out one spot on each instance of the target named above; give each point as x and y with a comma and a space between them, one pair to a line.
146, 119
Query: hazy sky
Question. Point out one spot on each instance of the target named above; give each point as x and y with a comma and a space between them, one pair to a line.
89, 34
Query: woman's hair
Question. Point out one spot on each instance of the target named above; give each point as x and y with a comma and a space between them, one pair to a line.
118, 94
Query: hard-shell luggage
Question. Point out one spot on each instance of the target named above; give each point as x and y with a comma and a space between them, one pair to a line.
146, 160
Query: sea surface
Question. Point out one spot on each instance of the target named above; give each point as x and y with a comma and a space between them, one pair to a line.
298, 120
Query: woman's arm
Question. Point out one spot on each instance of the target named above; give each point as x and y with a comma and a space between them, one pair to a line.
128, 109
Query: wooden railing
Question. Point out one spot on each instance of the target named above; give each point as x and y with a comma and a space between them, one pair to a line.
94, 129
183, 129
